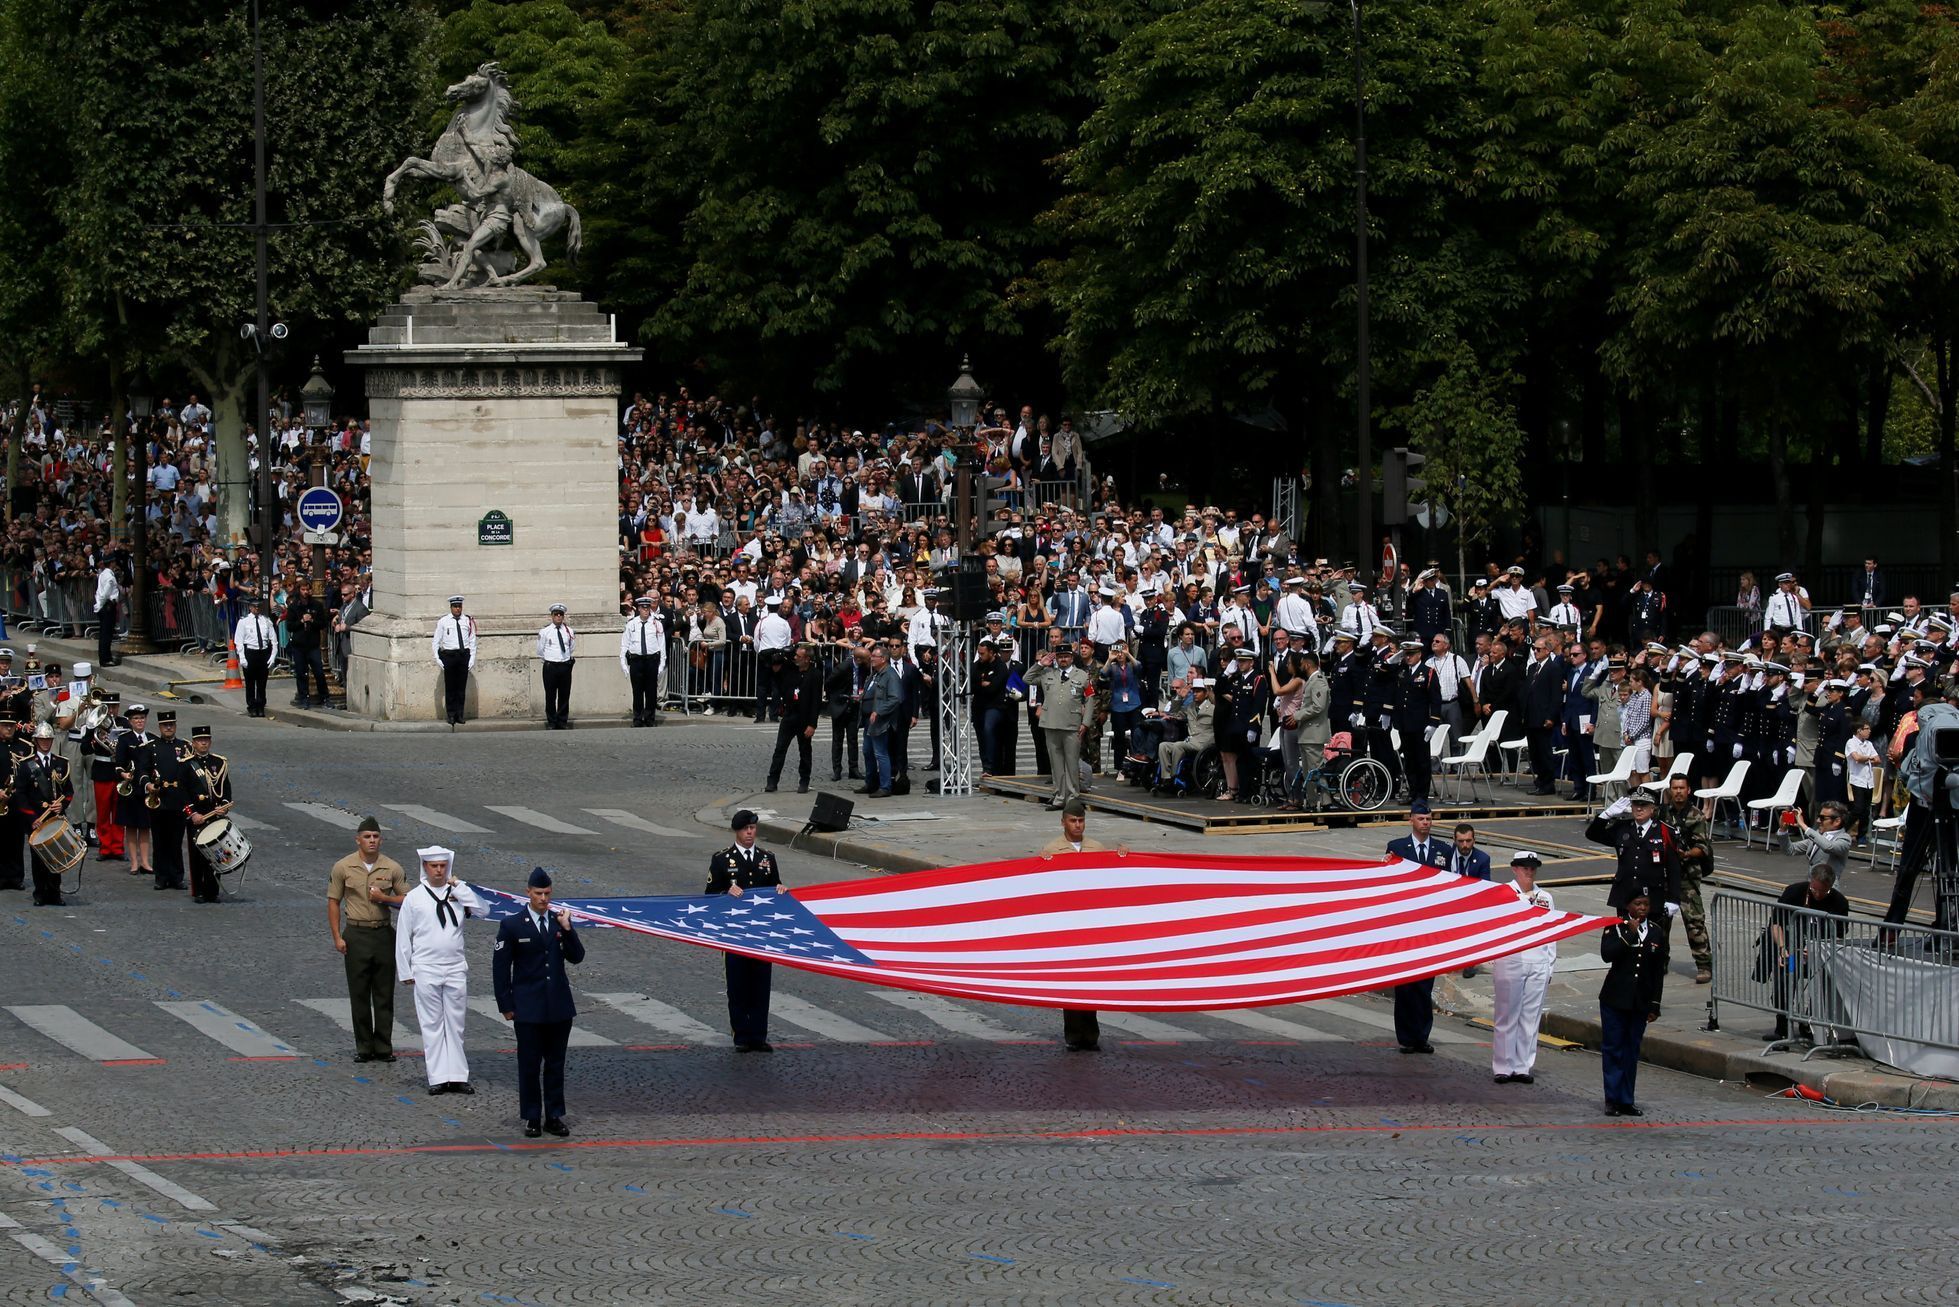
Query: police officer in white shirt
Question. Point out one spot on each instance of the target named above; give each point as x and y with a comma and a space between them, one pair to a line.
1105, 624
1360, 617
1785, 606
773, 636
454, 647
1564, 612
557, 647
257, 641
1515, 600
1294, 616
1238, 612
642, 655
108, 607
927, 625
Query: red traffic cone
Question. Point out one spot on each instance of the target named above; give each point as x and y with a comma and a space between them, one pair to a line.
232, 680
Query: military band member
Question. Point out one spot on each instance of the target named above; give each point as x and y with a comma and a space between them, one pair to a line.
172, 781
65, 708
454, 647
42, 786
16, 700
208, 787
557, 650
100, 750
740, 867
136, 772
13, 835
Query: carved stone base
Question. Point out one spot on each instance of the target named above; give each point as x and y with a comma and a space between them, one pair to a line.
392, 675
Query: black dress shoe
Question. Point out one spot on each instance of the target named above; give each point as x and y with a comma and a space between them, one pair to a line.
835, 776
461, 1087
363, 1057
383, 1057
758, 1046
1612, 1109
1084, 1046
1524, 1079
1418, 1048
769, 788
1627, 1109
802, 787
438, 1089
530, 1130
856, 775
1504, 1080
556, 1127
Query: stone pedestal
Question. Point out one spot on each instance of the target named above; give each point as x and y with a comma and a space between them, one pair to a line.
482, 400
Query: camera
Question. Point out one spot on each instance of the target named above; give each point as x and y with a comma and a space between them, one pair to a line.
1945, 746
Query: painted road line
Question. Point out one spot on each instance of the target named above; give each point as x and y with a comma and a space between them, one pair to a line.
439, 820
340, 1011
633, 821
663, 1017
250, 823
141, 1174
802, 1012
1374, 1020
1149, 1028
25, 1106
580, 1038
93, 1285
330, 815
1265, 1023
952, 1016
229, 1029
543, 821
75, 1032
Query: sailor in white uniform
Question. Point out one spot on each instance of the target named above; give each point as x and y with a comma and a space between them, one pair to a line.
429, 955
1521, 981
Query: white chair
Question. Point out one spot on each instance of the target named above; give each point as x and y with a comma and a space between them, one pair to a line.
1438, 745
1620, 774
1728, 791
1513, 767
1887, 836
1475, 753
1786, 796
1681, 763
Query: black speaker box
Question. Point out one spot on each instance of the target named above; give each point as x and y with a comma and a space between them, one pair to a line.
831, 813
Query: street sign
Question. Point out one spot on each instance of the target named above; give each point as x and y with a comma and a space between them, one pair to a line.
322, 538
319, 509
495, 528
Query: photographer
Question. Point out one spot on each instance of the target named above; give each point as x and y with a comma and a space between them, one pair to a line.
1923, 768
1827, 843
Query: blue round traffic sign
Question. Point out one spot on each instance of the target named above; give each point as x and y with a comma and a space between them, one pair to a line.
319, 509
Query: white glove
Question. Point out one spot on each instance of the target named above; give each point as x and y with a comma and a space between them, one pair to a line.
1617, 808
1737, 753
1673, 909
1358, 719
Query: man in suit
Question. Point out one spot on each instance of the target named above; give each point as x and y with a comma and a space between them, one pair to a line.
1414, 1002
1499, 685
883, 704
534, 992
918, 487
798, 707
734, 870
1465, 859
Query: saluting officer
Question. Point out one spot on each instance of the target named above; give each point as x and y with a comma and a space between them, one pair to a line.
208, 785
733, 870
42, 783
557, 648
1648, 852
172, 790
534, 992
642, 651
454, 647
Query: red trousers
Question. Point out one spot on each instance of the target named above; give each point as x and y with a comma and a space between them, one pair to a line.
108, 835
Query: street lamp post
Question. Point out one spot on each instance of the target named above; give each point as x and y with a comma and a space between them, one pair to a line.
1364, 465
963, 397
137, 459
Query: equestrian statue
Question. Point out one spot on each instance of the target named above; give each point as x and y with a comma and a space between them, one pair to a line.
468, 243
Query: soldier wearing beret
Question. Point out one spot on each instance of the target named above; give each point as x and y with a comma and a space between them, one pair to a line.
740, 867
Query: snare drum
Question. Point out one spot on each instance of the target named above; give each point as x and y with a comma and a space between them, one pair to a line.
223, 845
57, 849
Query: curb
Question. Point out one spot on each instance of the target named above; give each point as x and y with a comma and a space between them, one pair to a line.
846, 846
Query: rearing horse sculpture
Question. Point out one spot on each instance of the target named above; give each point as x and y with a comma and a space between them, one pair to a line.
498, 199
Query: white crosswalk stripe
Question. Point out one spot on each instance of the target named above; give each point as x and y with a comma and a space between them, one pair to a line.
1381, 1021
486, 1006
633, 821
663, 1017
802, 1012
439, 820
229, 1029
1150, 1028
330, 815
78, 1034
1267, 1024
340, 1011
543, 821
251, 823
951, 1016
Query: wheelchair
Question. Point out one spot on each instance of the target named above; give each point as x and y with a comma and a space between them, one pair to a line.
1356, 782
1201, 775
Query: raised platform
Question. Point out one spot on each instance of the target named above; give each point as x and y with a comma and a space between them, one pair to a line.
1113, 795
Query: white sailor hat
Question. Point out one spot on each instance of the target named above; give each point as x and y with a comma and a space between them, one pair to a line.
454, 600
1200, 682
1386, 630
930, 592
1753, 662
1882, 628
1687, 651
1106, 591
1866, 667
559, 608
1525, 858
1780, 577
1913, 660
1513, 570
1348, 636
1245, 654
1838, 685
1944, 624
1295, 580
1426, 573
1411, 646
1775, 669
1240, 589
1711, 658
1655, 647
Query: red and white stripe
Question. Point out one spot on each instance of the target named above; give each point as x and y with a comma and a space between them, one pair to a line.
1144, 932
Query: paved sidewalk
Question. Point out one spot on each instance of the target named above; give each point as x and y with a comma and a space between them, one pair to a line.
922, 831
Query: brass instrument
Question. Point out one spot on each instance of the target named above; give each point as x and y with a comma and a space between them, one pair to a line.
94, 713
151, 799
127, 785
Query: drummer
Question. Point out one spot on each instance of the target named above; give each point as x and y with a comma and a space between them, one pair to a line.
135, 759
42, 788
209, 786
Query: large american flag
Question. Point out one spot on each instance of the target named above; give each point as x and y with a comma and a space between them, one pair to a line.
1128, 932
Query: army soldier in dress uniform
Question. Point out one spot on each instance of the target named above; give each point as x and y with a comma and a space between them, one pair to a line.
172, 791
740, 867
100, 750
361, 889
207, 785
454, 647
42, 784
1081, 1030
136, 767
1696, 846
557, 650
13, 835
642, 654
1065, 697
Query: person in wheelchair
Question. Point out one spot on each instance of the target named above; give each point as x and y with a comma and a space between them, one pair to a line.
1153, 728
1200, 736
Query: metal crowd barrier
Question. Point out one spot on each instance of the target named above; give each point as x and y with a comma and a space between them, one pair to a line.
1841, 977
1736, 626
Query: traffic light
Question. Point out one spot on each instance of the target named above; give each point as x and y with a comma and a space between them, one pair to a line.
994, 494
1401, 491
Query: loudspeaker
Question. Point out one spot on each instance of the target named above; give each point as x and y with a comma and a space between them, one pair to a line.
831, 813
